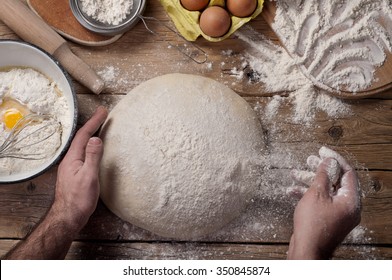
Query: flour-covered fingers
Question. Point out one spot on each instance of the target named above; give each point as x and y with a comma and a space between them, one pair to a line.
303, 177
313, 162
322, 183
296, 191
334, 171
325, 152
349, 185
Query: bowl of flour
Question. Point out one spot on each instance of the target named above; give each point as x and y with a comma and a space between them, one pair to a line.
32, 82
108, 17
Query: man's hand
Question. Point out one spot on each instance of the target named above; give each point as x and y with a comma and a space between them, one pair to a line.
77, 187
329, 209
77, 191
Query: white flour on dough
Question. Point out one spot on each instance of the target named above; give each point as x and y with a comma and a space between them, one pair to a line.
181, 159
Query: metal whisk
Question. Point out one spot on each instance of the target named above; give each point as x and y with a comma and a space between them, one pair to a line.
16, 142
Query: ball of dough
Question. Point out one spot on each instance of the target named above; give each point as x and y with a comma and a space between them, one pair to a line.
182, 156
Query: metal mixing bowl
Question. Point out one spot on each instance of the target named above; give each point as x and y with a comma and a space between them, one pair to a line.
107, 29
21, 54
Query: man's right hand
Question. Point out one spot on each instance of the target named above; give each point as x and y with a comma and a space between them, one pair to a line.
326, 213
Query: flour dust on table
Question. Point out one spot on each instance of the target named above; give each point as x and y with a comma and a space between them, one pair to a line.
338, 43
273, 67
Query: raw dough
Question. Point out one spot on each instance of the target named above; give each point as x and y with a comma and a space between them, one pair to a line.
182, 156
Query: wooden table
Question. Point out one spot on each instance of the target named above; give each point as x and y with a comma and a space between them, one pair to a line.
138, 56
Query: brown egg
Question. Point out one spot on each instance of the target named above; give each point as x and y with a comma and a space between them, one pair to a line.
194, 5
241, 8
215, 21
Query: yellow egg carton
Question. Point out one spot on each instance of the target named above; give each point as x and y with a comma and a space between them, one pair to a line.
187, 22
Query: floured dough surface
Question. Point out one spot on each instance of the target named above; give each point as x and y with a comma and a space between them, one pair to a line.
182, 156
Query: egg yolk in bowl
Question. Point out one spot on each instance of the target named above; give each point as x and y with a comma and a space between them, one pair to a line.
11, 111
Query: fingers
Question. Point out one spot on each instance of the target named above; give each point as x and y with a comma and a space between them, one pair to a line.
349, 185
329, 168
313, 162
94, 152
296, 191
304, 177
333, 170
328, 153
322, 181
82, 137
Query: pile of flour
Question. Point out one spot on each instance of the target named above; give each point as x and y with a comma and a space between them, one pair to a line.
41, 96
112, 12
278, 72
338, 43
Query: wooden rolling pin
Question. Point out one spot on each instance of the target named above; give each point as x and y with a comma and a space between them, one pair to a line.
33, 29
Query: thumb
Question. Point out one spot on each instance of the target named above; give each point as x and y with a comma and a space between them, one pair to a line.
94, 152
322, 181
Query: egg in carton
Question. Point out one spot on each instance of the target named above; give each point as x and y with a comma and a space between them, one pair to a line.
187, 22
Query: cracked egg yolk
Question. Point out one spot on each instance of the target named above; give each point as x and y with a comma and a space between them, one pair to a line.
11, 112
11, 117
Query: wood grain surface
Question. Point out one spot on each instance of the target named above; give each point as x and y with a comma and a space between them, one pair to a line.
365, 136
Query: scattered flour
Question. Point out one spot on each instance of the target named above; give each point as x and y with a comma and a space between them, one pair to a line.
279, 74
40, 96
117, 80
338, 43
112, 12
109, 74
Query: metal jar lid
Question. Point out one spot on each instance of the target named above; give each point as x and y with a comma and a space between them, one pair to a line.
105, 28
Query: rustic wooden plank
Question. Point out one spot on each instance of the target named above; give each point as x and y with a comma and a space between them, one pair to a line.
370, 121
229, 251
23, 205
19, 223
144, 61
268, 219
365, 136
137, 56
192, 251
198, 251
